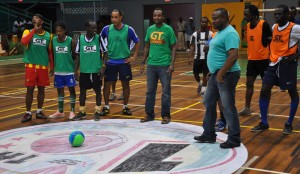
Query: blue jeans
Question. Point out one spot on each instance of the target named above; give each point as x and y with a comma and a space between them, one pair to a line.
225, 91
155, 73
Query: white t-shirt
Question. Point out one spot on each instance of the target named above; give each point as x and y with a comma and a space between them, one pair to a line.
16, 25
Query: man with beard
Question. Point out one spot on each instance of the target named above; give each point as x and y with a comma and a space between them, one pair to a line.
159, 52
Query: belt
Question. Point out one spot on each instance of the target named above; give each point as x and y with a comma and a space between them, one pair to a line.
29, 65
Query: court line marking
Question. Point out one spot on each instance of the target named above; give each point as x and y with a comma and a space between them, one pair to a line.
10, 75
139, 116
113, 103
182, 109
120, 115
263, 170
247, 164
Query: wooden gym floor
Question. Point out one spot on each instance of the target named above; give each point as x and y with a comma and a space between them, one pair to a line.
269, 151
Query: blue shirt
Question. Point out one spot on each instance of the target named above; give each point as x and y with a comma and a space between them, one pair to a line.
223, 41
132, 40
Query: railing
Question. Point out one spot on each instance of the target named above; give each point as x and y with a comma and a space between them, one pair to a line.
13, 12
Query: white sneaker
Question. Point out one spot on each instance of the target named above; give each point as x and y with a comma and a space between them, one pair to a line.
57, 114
72, 115
187, 50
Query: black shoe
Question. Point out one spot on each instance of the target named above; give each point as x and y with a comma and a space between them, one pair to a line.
165, 120
205, 139
228, 145
288, 129
26, 117
146, 119
97, 116
105, 111
41, 115
126, 111
260, 127
80, 116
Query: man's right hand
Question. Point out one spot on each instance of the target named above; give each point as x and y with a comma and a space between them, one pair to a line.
37, 27
76, 76
208, 76
191, 61
142, 68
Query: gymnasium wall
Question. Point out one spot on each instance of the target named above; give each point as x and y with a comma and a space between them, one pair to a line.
134, 11
273, 3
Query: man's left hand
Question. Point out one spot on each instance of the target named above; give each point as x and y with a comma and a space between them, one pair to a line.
171, 69
220, 77
51, 73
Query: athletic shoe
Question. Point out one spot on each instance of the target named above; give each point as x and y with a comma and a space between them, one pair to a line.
40, 115
205, 139
121, 97
260, 127
27, 117
105, 111
97, 116
220, 126
126, 111
228, 145
72, 115
57, 114
244, 112
79, 116
166, 120
146, 119
112, 97
187, 50
288, 129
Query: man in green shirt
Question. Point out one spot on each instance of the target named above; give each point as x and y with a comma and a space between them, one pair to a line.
91, 69
63, 69
160, 50
118, 37
37, 57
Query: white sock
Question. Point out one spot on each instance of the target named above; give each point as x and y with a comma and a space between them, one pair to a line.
125, 106
107, 106
39, 110
28, 112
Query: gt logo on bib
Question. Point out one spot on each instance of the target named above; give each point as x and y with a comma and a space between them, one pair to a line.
60, 49
37, 41
89, 49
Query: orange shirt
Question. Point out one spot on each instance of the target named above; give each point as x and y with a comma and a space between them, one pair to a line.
256, 50
280, 43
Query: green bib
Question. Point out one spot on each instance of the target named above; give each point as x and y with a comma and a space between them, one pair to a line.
63, 61
90, 58
118, 43
37, 50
